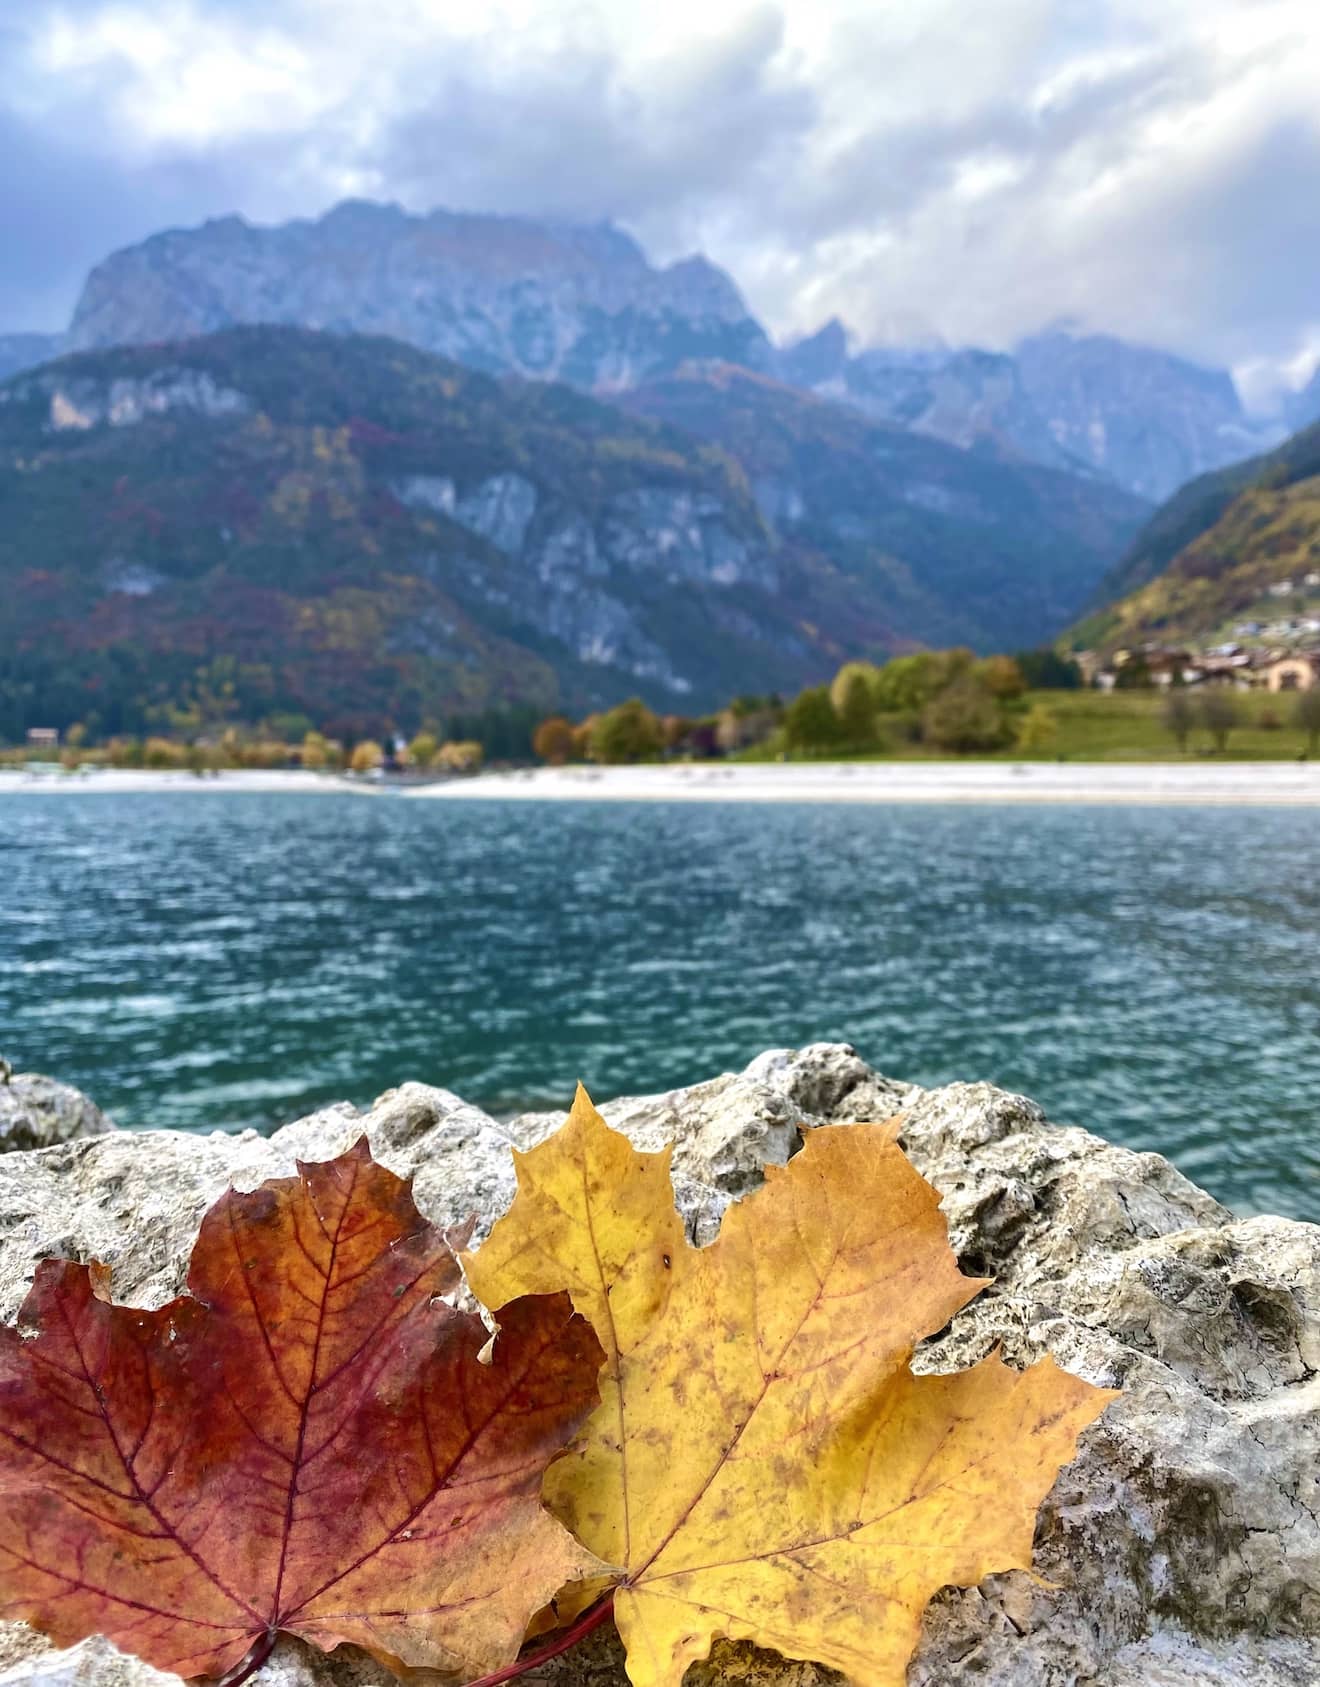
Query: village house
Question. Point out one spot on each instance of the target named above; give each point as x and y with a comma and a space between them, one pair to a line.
1169, 667
1089, 664
1222, 667
1227, 675
1291, 672
43, 737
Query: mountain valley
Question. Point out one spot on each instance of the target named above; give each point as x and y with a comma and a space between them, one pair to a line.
275, 522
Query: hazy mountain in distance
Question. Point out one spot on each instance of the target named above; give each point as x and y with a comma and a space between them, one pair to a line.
1303, 407
949, 546
26, 351
583, 305
1146, 419
499, 294
1090, 403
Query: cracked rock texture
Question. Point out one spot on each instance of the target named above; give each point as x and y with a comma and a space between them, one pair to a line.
1182, 1547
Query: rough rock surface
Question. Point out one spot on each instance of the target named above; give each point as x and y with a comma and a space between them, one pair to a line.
582, 304
503, 294
1182, 1547
36, 1112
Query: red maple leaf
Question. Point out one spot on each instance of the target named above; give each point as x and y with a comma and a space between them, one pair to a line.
305, 1443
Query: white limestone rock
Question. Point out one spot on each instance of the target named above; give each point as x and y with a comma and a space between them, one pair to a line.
1182, 1546
36, 1111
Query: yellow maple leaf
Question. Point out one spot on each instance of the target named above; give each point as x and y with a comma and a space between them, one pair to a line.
763, 1465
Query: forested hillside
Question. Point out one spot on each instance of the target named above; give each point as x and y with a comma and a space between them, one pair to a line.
1214, 551
957, 547
271, 523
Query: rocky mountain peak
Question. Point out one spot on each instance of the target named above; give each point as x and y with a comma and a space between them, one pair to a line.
701, 288
1146, 418
816, 359
581, 303
505, 294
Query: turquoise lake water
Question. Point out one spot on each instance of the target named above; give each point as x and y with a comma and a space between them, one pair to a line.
207, 961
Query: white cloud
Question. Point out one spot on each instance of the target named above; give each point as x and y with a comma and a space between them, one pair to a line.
979, 170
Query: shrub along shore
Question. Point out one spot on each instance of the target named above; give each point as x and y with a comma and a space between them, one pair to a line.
931, 705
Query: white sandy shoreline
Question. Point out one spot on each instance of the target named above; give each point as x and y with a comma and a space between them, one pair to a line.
1291, 784
121, 780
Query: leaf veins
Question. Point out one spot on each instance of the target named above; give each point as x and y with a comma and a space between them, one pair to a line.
763, 1461
305, 1443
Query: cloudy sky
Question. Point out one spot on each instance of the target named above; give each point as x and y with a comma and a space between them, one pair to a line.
970, 168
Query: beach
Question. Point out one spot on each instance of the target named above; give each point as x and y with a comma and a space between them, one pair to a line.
1291, 783
902, 782
52, 780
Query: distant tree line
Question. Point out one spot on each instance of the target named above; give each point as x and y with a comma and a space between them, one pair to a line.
949, 700
237, 749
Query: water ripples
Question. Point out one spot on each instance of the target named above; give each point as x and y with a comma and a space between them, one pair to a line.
210, 962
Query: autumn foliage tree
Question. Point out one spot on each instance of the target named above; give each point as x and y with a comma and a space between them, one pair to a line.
629, 733
1038, 729
366, 756
1001, 676
1179, 715
841, 684
422, 749
964, 717
462, 755
856, 712
553, 740
315, 752
811, 721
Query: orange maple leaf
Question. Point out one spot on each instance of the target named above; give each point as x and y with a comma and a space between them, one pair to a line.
305, 1443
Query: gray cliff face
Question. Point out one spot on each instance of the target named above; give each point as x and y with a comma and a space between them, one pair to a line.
501, 294
1150, 421
1091, 404
1180, 1549
76, 403
580, 578
973, 398
583, 305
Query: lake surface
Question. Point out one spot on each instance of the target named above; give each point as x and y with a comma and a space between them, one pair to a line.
206, 961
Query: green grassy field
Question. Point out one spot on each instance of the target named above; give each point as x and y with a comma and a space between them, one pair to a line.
1116, 726
1128, 726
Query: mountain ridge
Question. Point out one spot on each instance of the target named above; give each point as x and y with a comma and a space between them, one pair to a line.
309, 522
582, 304
969, 548
1223, 547
506, 295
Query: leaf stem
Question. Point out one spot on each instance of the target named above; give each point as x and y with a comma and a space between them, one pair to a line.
590, 1619
256, 1655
